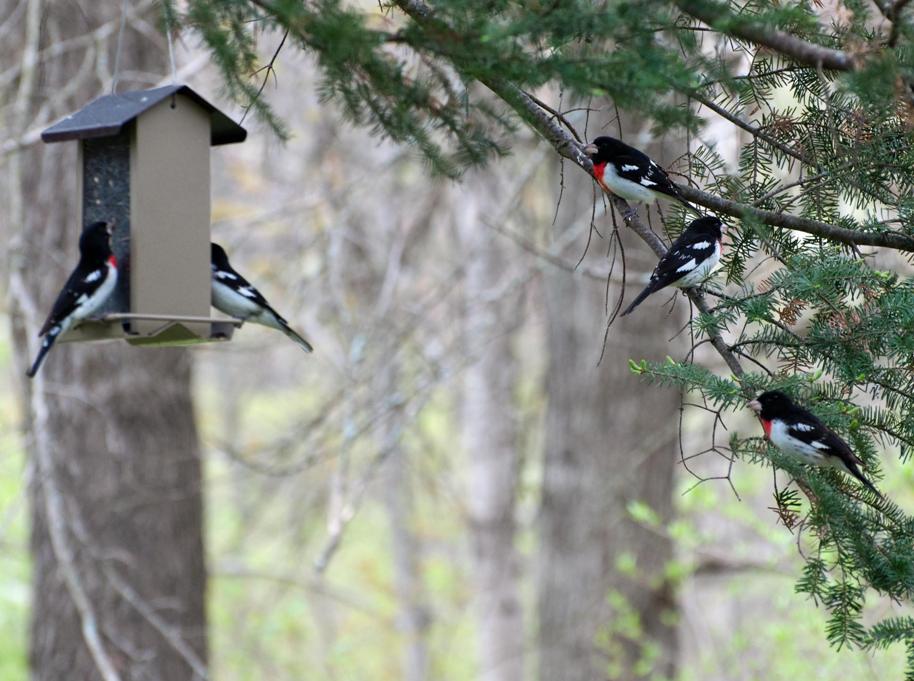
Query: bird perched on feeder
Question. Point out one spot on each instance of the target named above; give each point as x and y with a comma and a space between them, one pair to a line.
798, 433
235, 296
691, 258
87, 289
629, 173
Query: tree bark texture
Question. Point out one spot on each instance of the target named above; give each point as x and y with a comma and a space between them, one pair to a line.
489, 433
605, 609
118, 564
413, 617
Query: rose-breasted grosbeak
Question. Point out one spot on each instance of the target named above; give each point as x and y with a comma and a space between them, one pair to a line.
798, 433
629, 173
87, 289
233, 295
691, 258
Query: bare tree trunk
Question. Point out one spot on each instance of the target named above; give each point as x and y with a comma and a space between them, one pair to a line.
118, 566
490, 439
605, 609
413, 617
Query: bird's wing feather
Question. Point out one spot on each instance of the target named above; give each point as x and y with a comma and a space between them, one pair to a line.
684, 256
236, 282
640, 169
809, 429
82, 283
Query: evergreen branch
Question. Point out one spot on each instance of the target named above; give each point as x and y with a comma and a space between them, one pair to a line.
851, 237
759, 133
753, 130
562, 141
719, 16
790, 185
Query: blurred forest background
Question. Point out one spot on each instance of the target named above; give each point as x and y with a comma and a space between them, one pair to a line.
453, 486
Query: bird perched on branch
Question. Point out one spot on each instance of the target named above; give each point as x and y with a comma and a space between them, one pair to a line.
629, 173
235, 296
690, 260
87, 289
798, 433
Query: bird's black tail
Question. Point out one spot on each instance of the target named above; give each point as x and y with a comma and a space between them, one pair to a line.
638, 300
46, 345
855, 471
291, 333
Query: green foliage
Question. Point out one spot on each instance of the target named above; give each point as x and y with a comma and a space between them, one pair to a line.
805, 315
416, 85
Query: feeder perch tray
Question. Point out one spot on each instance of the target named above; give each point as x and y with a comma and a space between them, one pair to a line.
171, 330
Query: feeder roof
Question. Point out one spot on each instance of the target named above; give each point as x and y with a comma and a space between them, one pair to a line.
107, 115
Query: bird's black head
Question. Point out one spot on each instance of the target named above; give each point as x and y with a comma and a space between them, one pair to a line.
95, 241
709, 225
602, 149
771, 405
217, 255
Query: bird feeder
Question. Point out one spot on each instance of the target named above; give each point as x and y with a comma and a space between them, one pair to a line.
144, 165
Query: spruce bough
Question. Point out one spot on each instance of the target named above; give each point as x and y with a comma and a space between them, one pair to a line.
825, 180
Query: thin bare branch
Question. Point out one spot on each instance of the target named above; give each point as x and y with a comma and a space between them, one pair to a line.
269, 69
557, 114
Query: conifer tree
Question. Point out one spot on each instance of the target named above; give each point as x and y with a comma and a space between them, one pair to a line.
824, 190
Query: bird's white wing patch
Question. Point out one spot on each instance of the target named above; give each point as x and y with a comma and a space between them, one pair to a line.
818, 444
802, 427
647, 183
701, 245
687, 267
221, 274
627, 167
247, 292
699, 271
787, 443
94, 275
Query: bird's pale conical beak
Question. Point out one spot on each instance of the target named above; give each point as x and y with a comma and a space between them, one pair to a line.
755, 406
590, 149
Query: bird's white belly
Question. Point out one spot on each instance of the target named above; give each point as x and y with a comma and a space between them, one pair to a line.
807, 453
628, 190
702, 272
233, 303
97, 299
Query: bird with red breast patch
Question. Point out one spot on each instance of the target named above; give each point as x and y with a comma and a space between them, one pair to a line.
799, 433
689, 261
629, 173
87, 289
